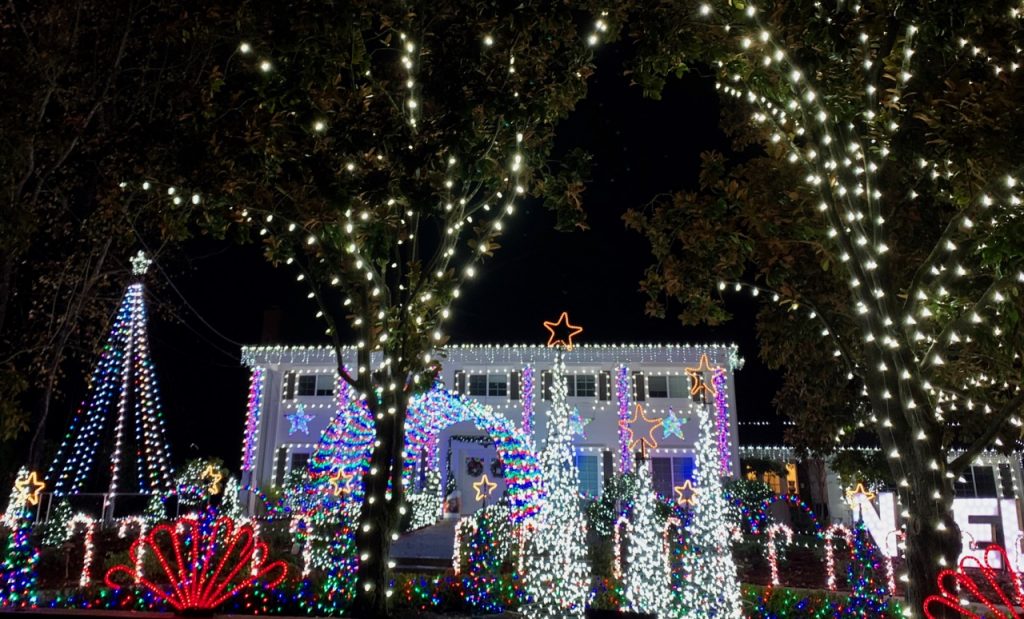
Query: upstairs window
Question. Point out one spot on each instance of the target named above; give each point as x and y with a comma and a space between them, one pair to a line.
667, 387
581, 385
315, 384
307, 385
488, 385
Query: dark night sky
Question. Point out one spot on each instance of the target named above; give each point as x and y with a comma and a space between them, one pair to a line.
641, 148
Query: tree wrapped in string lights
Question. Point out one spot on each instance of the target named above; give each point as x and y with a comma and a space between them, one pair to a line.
557, 572
116, 441
711, 586
396, 140
883, 219
647, 581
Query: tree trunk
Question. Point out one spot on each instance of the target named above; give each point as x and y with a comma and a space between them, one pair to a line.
927, 546
380, 516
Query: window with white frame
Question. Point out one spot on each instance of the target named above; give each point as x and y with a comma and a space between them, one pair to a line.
581, 385
667, 386
315, 384
489, 385
590, 476
668, 473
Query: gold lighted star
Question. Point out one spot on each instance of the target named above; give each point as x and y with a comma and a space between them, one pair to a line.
686, 494
213, 473
29, 487
697, 382
852, 493
339, 483
557, 340
644, 441
484, 488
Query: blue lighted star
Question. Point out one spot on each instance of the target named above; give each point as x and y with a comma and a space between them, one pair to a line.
577, 423
299, 420
672, 424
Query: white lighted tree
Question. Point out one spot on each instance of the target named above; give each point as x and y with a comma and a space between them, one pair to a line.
557, 572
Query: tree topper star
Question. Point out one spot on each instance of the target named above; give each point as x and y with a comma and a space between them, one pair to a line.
29, 487
299, 420
140, 263
557, 340
697, 382
484, 488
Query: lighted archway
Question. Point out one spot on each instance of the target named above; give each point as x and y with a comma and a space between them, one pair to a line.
343, 453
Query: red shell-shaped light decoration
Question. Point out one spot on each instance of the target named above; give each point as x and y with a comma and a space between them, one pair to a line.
1009, 596
209, 562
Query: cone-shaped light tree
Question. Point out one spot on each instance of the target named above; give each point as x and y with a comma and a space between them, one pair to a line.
380, 153
18, 569
647, 580
116, 441
877, 221
557, 571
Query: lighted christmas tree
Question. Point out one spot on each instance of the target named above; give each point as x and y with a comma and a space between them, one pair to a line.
57, 524
711, 587
557, 572
426, 504
231, 505
18, 571
116, 442
647, 580
866, 576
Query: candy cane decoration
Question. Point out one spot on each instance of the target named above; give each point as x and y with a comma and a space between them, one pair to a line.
90, 531
257, 558
122, 531
307, 543
773, 548
830, 562
457, 550
617, 561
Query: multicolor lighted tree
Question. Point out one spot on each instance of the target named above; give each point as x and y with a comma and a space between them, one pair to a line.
116, 441
557, 572
397, 141
18, 570
882, 219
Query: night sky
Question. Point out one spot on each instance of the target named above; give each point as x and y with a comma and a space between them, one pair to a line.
204, 309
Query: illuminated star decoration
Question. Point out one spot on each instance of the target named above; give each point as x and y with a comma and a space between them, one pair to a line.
686, 494
697, 382
858, 491
578, 423
484, 488
213, 473
29, 487
672, 425
555, 339
340, 483
299, 420
140, 263
643, 440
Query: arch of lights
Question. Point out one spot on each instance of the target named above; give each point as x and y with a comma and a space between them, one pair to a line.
343, 453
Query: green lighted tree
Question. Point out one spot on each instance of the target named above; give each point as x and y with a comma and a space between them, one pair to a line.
875, 208
379, 148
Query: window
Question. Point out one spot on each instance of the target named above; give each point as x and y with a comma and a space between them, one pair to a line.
299, 462
667, 387
668, 473
307, 384
1006, 481
315, 384
324, 384
977, 482
490, 385
590, 481
581, 385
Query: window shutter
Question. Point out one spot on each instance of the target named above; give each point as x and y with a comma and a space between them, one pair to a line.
513, 385
608, 467
639, 387
604, 386
548, 380
289, 386
460, 382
